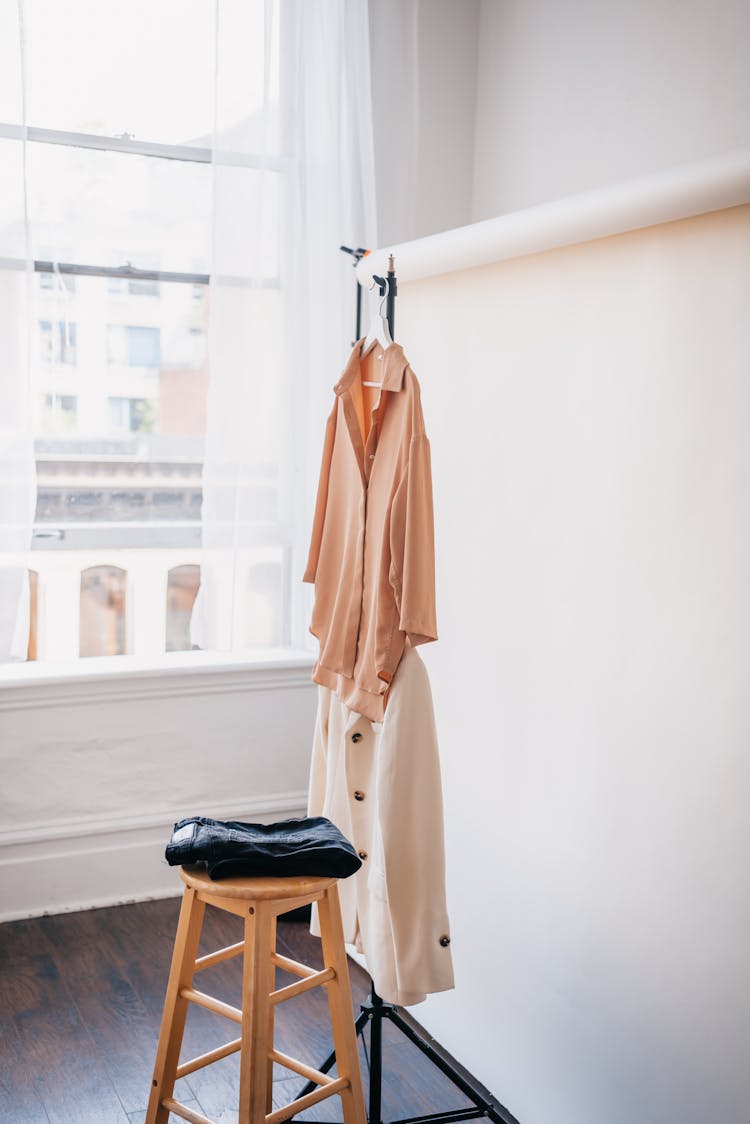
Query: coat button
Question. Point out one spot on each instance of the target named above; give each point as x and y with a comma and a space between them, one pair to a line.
445, 941
356, 736
359, 795
362, 854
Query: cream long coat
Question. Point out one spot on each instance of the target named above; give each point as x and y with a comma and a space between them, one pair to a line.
380, 784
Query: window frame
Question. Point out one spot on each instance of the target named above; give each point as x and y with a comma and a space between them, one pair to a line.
126, 666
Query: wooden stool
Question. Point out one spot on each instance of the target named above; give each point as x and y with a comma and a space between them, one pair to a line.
259, 901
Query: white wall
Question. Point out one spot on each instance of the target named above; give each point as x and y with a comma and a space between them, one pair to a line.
95, 771
577, 95
423, 73
588, 413
488, 106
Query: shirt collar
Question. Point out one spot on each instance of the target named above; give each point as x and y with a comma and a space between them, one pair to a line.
394, 364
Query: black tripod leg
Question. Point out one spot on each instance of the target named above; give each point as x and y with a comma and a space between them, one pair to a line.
493, 1111
330, 1061
376, 1059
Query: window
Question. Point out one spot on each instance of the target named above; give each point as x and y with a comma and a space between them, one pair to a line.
48, 281
131, 415
57, 341
121, 312
59, 413
133, 346
133, 286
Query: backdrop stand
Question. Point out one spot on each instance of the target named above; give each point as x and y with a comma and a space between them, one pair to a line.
375, 1010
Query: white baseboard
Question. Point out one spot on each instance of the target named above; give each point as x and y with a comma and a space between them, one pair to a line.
90, 863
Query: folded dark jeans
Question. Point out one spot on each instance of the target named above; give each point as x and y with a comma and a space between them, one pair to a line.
232, 849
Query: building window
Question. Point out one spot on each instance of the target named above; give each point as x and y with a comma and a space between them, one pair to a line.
57, 340
131, 415
133, 286
182, 588
59, 413
133, 345
103, 611
50, 280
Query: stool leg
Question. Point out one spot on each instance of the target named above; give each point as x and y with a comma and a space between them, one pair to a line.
340, 1003
272, 985
257, 984
175, 1007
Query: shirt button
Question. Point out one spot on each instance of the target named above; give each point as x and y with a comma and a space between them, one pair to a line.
356, 736
372, 456
362, 855
359, 795
445, 941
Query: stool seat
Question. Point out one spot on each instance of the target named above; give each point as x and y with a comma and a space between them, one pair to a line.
254, 889
259, 902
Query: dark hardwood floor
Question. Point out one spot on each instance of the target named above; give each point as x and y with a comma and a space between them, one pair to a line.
81, 999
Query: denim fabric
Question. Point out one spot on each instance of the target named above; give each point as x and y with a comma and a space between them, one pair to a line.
232, 849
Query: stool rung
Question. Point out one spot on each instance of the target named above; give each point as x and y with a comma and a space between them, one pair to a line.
206, 1059
289, 992
212, 1004
300, 1068
292, 966
217, 957
185, 1112
306, 1102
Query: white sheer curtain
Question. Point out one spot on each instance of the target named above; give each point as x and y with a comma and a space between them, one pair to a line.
17, 473
293, 179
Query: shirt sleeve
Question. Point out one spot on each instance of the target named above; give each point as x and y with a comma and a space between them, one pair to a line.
321, 502
412, 570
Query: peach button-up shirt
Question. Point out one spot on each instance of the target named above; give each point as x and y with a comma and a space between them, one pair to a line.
372, 551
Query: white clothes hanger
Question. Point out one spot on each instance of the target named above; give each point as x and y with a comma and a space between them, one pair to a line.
378, 332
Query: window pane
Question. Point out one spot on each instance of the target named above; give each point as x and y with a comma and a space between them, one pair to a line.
120, 431
139, 68
82, 59
120, 363
116, 207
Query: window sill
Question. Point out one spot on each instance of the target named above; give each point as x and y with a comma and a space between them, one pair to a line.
175, 674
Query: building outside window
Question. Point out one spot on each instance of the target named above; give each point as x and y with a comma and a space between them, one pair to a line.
133, 345
57, 341
59, 413
133, 286
131, 415
48, 280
